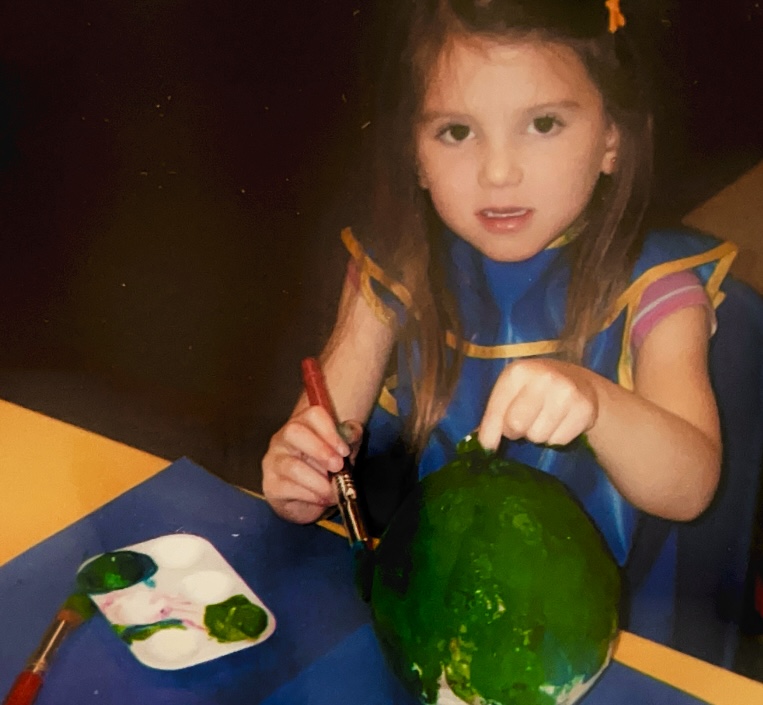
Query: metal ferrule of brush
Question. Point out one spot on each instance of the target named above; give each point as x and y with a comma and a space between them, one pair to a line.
40, 660
349, 509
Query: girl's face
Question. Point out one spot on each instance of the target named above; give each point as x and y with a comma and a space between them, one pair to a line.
511, 143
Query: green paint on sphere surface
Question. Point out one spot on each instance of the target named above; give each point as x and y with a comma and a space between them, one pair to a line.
493, 576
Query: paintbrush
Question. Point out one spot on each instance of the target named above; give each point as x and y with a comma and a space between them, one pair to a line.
77, 608
360, 541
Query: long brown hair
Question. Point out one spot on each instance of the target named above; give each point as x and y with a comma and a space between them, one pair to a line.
404, 229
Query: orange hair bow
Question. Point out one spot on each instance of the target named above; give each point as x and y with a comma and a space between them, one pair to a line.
616, 17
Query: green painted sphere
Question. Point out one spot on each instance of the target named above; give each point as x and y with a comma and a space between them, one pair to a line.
493, 586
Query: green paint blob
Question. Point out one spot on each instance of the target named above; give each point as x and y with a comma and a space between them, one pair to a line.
492, 573
141, 632
115, 571
81, 604
235, 619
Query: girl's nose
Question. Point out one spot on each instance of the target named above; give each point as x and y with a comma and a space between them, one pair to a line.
500, 166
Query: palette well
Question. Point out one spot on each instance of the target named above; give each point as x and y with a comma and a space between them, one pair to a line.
175, 601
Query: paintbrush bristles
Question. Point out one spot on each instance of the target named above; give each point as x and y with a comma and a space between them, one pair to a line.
70, 616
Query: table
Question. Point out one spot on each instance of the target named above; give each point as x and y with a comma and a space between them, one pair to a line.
68, 494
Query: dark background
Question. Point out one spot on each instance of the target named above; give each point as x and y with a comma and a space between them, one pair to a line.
173, 175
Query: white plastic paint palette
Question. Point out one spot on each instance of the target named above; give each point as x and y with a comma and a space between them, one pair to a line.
192, 607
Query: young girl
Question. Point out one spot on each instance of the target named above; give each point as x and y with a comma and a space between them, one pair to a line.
506, 277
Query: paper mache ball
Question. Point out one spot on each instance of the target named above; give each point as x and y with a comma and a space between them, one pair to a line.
492, 586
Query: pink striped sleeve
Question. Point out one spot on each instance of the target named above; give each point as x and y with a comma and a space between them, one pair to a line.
667, 295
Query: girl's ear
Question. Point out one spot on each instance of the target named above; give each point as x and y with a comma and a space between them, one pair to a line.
611, 148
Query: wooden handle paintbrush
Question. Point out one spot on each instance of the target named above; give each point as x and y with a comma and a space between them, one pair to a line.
317, 394
75, 610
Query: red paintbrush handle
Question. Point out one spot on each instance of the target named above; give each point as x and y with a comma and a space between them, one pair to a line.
315, 385
318, 395
24, 690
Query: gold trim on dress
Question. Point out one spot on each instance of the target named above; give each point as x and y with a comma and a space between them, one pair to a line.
386, 400
723, 254
383, 312
371, 270
495, 352
567, 236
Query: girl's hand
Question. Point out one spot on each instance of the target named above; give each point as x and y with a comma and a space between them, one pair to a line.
301, 459
544, 401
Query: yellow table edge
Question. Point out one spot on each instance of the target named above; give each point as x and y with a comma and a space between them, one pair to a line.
703, 680
44, 466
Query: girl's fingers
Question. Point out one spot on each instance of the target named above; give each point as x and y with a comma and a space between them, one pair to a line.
322, 452
538, 400
295, 479
522, 413
543, 428
352, 433
577, 421
322, 424
501, 397
555, 411
490, 433
310, 488
298, 467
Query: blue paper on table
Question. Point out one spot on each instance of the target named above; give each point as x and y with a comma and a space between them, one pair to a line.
323, 650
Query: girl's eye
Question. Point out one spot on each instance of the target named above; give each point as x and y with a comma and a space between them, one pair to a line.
545, 124
454, 133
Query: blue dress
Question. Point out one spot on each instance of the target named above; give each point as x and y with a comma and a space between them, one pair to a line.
511, 310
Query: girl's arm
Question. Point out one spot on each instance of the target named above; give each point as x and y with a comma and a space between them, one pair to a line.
308, 448
667, 460
660, 444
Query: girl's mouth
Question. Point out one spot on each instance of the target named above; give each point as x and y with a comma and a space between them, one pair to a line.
503, 220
